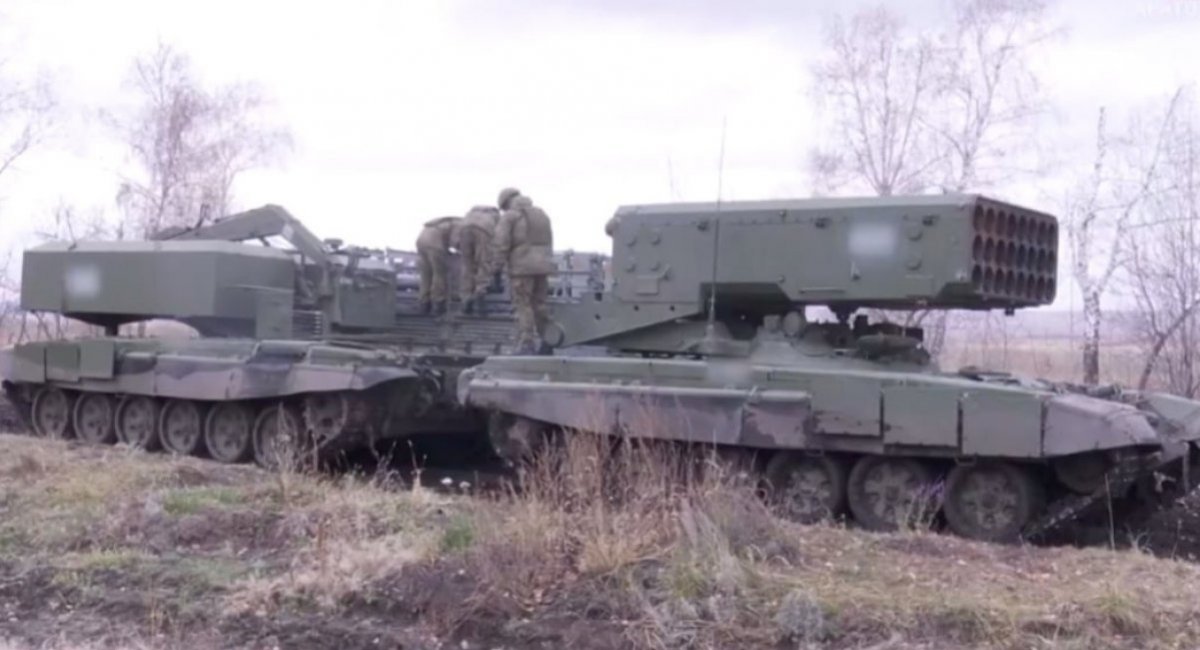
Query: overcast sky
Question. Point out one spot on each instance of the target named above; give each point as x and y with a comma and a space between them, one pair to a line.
406, 110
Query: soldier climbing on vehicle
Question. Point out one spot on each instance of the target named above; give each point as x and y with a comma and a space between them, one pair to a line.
434, 246
474, 243
524, 246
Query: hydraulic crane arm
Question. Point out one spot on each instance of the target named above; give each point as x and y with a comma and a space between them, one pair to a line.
267, 221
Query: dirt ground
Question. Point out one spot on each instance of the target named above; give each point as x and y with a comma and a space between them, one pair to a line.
109, 547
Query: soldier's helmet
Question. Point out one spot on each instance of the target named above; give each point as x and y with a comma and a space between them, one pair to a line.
612, 225
506, 195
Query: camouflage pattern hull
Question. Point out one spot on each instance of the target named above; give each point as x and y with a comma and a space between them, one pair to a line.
866, 441
232, 399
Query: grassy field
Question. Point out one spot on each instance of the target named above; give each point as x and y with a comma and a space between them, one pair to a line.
107, 547
1047, 358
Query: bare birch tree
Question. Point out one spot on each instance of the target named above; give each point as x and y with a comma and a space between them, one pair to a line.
1098, 215
1162, 264
189, 143
910, 112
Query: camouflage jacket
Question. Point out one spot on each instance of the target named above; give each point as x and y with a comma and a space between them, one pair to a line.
481, 218
524, 240
439, 233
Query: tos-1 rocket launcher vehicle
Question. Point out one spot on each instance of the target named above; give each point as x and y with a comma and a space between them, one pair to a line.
709, 342
299, 339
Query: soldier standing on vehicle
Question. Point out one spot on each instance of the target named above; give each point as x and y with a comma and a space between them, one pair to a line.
524, 245
433, 250
474, 243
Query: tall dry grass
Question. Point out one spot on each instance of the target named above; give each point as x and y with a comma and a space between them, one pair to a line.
659, 535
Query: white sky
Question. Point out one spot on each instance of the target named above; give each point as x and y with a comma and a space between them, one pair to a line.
411, 109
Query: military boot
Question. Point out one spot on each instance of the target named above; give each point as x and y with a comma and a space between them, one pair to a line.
439, 309
426, 307
525, 349
468, 306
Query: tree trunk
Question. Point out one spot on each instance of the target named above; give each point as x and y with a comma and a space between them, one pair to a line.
1091, 338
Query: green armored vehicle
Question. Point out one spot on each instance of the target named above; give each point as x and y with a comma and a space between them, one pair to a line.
299, 340
711, 338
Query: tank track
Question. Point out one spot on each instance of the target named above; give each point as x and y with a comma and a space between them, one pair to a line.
1127, 470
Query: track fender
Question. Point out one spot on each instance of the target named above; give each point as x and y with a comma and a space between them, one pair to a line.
1181, 415
1077, 423
724, 416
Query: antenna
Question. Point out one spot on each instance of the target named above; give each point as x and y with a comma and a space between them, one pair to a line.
712, 287
671, 178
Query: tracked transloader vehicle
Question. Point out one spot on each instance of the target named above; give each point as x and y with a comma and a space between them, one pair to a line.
712, 338
298, 338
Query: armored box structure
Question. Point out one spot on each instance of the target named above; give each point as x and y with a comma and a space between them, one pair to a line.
756, 258
213, 285
932, 252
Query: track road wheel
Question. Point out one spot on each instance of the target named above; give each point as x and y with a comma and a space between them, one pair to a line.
887, 493
805, 488
181, 427
93, 418
515, 439
1082, 473
51, 413
991, 501
280, 441
137, 422
326, 415
229, 431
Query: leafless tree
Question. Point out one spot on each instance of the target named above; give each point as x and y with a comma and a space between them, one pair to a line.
71, 224
1099, 212
26, 109
65, 223
9, 311
989, 101
26, 114
189, 143
915, 111
1162, 262
875, 83
911, 112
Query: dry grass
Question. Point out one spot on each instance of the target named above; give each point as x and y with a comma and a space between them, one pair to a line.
600, 546
695, 560
192, 539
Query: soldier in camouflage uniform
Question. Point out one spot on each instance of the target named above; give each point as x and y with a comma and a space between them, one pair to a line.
524, 245
474, 243
434, 249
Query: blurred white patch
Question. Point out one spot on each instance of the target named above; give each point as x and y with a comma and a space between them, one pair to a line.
873, 239
83, 282
724, 372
